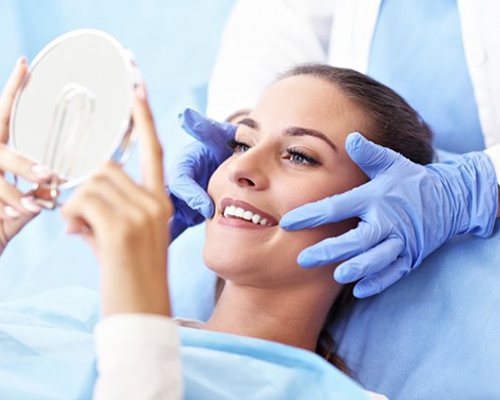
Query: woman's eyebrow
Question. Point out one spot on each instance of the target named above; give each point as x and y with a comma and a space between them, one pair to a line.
298, 131
251, 123
292, 131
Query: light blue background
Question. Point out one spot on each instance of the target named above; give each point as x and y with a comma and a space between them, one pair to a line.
434, 335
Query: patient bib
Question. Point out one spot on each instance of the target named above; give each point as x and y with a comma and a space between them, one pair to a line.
220, 366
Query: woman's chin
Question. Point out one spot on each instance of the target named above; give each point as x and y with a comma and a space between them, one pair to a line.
230, 263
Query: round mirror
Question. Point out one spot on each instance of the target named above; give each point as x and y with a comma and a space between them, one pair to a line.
73, 111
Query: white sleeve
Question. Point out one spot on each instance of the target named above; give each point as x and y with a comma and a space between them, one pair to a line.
494, 154
261, 39
138, 357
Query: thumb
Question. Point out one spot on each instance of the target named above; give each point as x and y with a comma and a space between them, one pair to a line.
372, 158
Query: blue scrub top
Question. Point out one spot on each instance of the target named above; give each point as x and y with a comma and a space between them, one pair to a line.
417, 50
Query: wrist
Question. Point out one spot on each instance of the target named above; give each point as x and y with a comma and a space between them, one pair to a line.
477, 180
125, 294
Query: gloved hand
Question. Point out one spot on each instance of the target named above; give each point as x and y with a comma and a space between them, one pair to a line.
406, 210
188, 179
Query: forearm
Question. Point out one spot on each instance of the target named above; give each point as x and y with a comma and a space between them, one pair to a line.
124, 292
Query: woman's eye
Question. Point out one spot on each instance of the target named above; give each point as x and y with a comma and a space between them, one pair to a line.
237, 147
300, 158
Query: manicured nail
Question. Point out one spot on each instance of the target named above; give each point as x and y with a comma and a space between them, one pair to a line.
141, 91
42, 171
22, 60
11, 212
29, 204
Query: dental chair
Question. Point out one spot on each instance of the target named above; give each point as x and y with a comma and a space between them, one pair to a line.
433, 335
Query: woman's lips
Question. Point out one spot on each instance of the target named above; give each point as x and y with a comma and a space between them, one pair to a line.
248, 216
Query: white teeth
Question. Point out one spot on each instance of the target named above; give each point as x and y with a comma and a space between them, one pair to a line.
232, 211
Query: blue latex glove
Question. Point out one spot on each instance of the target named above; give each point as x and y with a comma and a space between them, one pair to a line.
406, 210
188, 179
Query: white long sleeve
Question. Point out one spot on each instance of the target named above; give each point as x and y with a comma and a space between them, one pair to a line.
261, 39
494, 153
138, 357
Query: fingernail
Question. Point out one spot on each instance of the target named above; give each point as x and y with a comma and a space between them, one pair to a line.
22, 60
11, 212
141, 91
29, 204
42, 171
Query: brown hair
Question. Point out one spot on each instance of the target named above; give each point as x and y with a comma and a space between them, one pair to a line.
393, 123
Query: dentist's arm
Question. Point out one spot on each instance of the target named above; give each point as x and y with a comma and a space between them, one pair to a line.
406, 211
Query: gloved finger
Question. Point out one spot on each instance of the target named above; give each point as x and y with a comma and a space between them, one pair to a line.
347, 245
372, 158
184, 217
369, 262
332, 209
381, 280
212, 133
187, 189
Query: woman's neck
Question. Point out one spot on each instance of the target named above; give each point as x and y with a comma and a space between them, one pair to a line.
289, 316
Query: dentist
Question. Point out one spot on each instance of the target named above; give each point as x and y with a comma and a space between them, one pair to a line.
441, 56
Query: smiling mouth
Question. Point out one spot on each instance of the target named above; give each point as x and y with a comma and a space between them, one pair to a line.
240, 210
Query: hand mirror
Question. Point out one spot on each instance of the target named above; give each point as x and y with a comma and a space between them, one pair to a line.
73, 111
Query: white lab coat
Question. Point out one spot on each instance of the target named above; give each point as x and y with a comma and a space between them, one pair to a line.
264, 37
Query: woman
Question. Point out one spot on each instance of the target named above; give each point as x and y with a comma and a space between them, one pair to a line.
439, 56
290, 150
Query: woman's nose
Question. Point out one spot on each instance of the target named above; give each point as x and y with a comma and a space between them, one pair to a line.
248, 170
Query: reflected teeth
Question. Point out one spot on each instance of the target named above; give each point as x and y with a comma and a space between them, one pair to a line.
232, 211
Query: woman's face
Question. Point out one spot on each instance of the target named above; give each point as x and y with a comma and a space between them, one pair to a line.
289, 151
